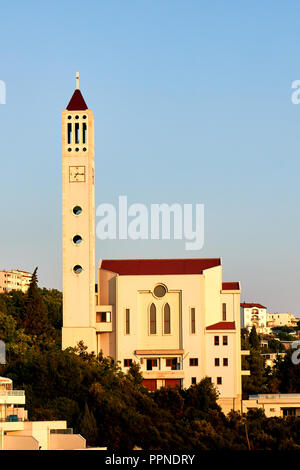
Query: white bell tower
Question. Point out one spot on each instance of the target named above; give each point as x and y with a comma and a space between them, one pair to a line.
78, 223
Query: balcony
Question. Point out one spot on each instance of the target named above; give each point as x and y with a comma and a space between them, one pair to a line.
103, 318
163, 374
12, 397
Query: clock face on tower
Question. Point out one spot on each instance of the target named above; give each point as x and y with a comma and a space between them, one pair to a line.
77, 174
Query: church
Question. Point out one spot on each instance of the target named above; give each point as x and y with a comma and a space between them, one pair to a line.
176, 318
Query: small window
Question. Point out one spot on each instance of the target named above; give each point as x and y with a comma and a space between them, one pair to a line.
193, 321
167, 319
193, 361
170, 362
127, 321
216, 340
194, 380
225, 361
217, 361
77, 210
69, 133
103, 317
152, 319
219, 380
77, 269
151, 363
77, 239
84, 133
160, 290
77, 133
225, 340
127, 362
224, 312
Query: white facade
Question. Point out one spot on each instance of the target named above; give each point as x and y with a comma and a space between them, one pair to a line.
14, 280
78, 223
178, 348
203, 324
253, 314
274, 405
281, 319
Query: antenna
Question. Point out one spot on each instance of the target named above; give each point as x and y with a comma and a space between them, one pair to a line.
77, 80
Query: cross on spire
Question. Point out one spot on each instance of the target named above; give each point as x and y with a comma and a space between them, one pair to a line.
77, 80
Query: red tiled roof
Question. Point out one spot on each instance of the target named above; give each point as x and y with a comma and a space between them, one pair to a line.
222, 325
230, 285
77, 102
127, 267
245, 305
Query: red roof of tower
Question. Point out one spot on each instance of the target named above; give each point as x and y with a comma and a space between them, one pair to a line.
222, 325
77, 102
127, 267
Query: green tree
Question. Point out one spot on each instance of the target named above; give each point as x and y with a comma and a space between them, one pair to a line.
254, 339
36, 315
134, 373
88, 427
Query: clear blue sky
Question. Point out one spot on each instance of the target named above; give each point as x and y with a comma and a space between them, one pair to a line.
194, 95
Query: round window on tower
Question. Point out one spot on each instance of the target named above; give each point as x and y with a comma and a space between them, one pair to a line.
160, 290
69, 117
76, 117
77, 239
77, 210
77, 269
84, 116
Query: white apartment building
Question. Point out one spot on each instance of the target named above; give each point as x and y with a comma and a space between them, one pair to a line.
274, 405
14, 280
254, 314
281, 319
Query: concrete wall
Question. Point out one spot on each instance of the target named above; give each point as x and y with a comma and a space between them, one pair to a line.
66, 442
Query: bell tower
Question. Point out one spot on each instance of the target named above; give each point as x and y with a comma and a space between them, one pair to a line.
78, 223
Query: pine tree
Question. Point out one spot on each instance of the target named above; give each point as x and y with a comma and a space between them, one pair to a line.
36, 315
88, 427
254, 339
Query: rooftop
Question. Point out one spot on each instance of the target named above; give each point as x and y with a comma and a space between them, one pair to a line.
129, 267
222, 325
77, 102
247, 305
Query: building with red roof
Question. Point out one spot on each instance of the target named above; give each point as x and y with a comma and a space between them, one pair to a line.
254, 314
176, 318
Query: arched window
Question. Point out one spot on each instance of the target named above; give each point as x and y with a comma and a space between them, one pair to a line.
167, 319
152, 319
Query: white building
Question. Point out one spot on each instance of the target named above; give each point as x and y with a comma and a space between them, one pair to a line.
14, 280
254, 314
174, 317
279, 405
281, 319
